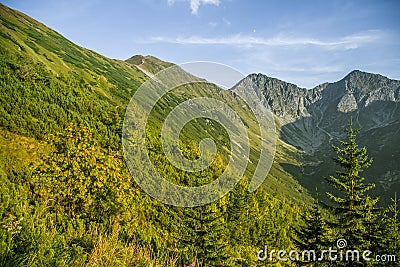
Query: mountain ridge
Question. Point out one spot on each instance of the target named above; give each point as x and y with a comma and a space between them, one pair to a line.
354, 84
311, 120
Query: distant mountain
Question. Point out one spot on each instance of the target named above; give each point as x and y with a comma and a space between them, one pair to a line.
312, 120
148, 64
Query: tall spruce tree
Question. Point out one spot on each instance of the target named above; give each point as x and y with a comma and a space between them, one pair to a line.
201, 235
239, 214
353, 207
314, 235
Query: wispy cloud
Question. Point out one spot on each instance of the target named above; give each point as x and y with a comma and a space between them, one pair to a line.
347, 42
195, 4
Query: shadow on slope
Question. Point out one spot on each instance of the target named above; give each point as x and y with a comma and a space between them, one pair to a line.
379, 124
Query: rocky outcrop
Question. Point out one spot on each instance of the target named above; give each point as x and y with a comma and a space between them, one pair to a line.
283, 99
347, 103
368, 88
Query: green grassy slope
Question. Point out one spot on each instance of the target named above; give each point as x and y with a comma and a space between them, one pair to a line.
113, 78
48, 82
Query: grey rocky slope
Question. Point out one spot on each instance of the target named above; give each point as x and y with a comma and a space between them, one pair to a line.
313, 120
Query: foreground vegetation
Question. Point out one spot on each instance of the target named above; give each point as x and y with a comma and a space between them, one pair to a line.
76, 205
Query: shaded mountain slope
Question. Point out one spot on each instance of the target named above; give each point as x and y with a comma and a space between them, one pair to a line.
312, 120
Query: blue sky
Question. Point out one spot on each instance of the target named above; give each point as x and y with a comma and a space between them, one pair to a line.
303, 42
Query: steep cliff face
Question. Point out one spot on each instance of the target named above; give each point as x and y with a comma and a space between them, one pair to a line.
284, 99
367, 88
313, 120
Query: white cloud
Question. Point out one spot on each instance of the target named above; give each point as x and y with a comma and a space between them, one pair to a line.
195, 4
344, 43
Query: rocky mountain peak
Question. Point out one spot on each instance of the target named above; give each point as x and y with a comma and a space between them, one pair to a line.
367, 88
283, 99
356, 90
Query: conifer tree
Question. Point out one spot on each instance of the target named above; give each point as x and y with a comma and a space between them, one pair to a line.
315, 235
392, 234
353, 207
201, 235
239, 214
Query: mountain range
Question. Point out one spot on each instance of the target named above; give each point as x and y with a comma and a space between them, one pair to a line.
309, 121
312, 120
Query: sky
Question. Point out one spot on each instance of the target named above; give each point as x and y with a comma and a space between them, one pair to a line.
302, 42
